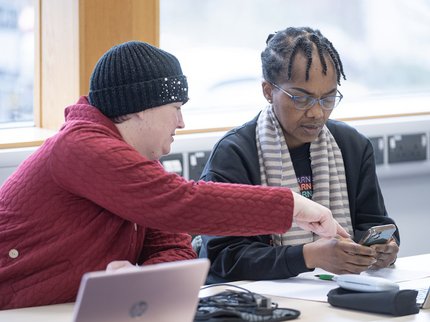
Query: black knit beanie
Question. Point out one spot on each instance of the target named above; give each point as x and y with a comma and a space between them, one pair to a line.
134, 76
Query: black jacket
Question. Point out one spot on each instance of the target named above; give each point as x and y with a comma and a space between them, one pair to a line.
234, 159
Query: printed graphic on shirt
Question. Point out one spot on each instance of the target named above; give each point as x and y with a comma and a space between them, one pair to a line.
305, 184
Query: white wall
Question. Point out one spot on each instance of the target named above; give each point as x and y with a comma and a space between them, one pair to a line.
10, 159
408, 202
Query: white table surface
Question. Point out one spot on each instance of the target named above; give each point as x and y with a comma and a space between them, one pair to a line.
310, 310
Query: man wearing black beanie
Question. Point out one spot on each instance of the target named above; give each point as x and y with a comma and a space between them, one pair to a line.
95, 192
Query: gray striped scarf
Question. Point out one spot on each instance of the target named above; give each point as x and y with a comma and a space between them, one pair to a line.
328, 172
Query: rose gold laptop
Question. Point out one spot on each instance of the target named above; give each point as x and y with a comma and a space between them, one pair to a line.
158, 293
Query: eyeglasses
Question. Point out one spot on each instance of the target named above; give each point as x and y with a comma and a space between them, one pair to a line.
305, 102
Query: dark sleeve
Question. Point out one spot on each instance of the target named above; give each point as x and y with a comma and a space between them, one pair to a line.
252, 258
234, 159
364, 193
369, 207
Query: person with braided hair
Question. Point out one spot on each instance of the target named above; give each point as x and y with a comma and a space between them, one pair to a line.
293, 143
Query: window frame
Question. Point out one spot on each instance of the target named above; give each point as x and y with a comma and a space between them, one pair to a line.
78, 32
70, 36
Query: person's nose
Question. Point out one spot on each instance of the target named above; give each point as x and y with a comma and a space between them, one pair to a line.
316, 111
181, 123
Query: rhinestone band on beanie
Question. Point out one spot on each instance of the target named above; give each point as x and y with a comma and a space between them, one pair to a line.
135, 76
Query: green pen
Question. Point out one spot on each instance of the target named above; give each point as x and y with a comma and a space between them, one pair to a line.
325, 277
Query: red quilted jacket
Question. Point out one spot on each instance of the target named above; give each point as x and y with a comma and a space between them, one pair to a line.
86, 198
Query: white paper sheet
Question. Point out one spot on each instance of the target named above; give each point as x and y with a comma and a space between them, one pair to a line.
305, 286
398, 275
308, 287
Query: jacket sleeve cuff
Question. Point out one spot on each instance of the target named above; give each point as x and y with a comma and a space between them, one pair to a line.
296, 261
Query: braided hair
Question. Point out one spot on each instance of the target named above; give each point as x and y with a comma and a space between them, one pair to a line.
283, 46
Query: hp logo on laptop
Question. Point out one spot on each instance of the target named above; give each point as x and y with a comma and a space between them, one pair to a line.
137, 309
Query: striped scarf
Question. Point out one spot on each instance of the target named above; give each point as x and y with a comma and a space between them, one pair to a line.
328, 172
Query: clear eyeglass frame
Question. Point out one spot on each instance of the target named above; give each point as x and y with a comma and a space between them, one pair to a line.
306, 102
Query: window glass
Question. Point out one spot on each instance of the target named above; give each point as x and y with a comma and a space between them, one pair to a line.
16, 62
383, 46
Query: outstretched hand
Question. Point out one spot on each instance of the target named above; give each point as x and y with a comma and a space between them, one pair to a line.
311, 216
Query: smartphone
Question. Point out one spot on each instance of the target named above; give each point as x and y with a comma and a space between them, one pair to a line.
378, 235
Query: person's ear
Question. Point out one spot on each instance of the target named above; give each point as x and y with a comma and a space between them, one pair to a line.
267, 91
141, 115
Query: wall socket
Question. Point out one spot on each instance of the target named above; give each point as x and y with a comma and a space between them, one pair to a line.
197, 162
194, 162
173, 163
378, 148
407, 147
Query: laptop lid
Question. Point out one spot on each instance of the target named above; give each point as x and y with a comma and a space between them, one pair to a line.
160, 292
423, 298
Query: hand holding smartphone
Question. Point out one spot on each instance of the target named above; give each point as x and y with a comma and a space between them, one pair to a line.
378, 235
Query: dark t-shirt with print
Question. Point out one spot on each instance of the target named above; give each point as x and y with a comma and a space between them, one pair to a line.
302, 166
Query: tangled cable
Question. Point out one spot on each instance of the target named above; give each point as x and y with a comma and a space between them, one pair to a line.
240, 305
